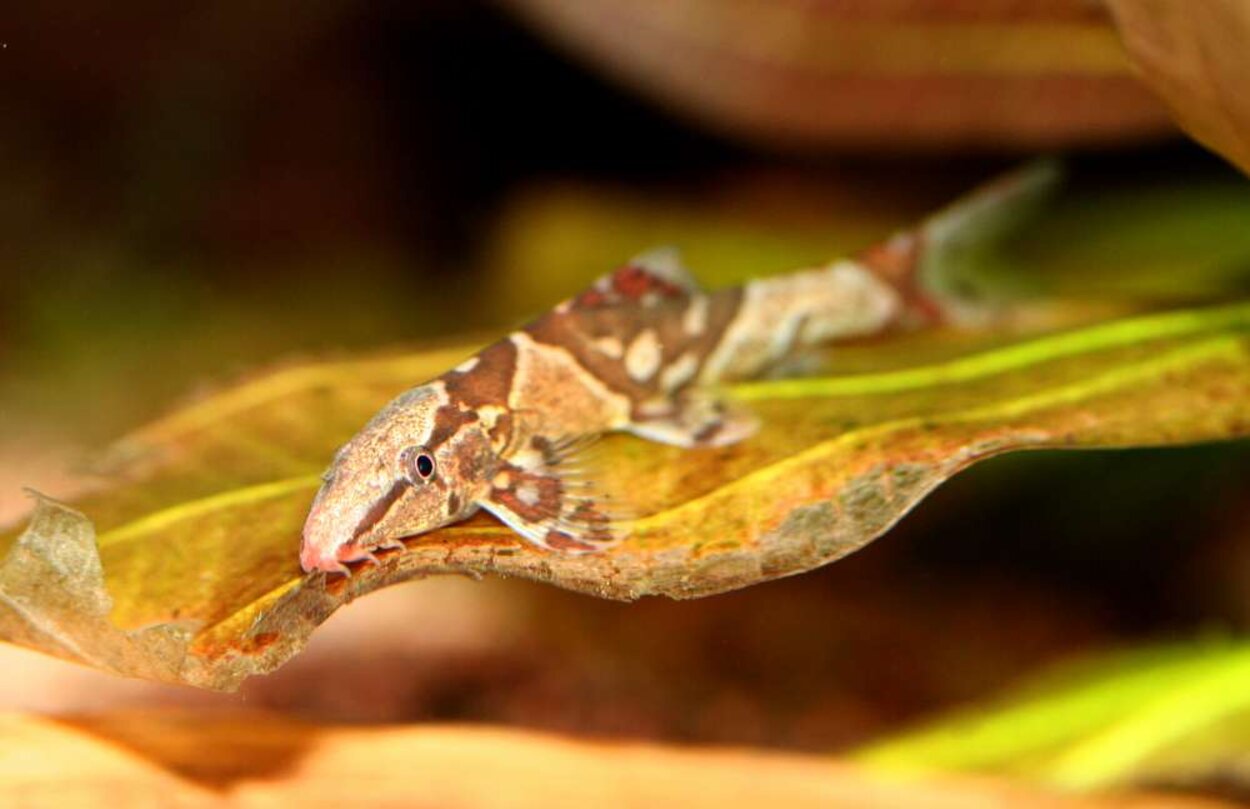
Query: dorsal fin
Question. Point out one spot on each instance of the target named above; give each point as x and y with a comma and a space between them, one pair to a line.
658, 272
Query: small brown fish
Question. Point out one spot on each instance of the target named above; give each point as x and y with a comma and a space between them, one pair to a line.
639, 351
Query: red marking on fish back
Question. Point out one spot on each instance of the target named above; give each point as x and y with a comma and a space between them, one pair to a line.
628, 283
632, 281
592, 298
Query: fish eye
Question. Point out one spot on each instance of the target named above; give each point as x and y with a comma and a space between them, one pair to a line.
418, 464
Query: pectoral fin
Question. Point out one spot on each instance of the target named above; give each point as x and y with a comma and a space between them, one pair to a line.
547, 494
694, 420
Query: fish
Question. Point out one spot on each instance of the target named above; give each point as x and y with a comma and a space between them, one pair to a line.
643, 350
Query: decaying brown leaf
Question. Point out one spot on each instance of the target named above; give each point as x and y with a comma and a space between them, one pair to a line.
867, 73
1195, 55
197, 579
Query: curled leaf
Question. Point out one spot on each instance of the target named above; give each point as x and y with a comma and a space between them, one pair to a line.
998, 73
198, 579
1195, 56
196, 759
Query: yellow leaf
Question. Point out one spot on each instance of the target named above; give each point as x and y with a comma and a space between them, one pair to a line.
197, 578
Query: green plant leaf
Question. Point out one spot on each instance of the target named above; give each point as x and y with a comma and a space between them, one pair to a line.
1170, 714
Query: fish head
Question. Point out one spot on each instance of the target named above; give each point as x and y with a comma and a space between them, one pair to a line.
413, 468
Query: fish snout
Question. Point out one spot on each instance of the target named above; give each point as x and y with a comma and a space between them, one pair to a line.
318, 549
311, 559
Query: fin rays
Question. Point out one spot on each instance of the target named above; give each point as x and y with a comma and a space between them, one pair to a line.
548, 495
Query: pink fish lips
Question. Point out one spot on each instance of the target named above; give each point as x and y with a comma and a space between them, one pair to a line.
319, 557
318, 552
313, 558
322, 551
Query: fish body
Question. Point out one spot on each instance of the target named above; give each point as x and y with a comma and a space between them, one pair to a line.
642, 351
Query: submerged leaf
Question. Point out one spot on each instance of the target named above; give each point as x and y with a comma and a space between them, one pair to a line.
198, 579
251, 759
1195, 56
1174, 715
901, 75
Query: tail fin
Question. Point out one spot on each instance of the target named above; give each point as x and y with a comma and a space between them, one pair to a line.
935, 263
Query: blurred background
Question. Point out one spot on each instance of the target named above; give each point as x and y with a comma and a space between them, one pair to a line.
196, 190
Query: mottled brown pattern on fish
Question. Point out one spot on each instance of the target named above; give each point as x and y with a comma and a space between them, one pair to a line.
533, 498
501, 432
574, 331
577, 331
486, 383
628, 283
451, 419
722, 307
560, 541
489, 379
594, 523
547, 448
632, 281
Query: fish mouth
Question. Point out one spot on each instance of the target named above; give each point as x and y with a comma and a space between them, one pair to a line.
321, 551
317, 554
313, 558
